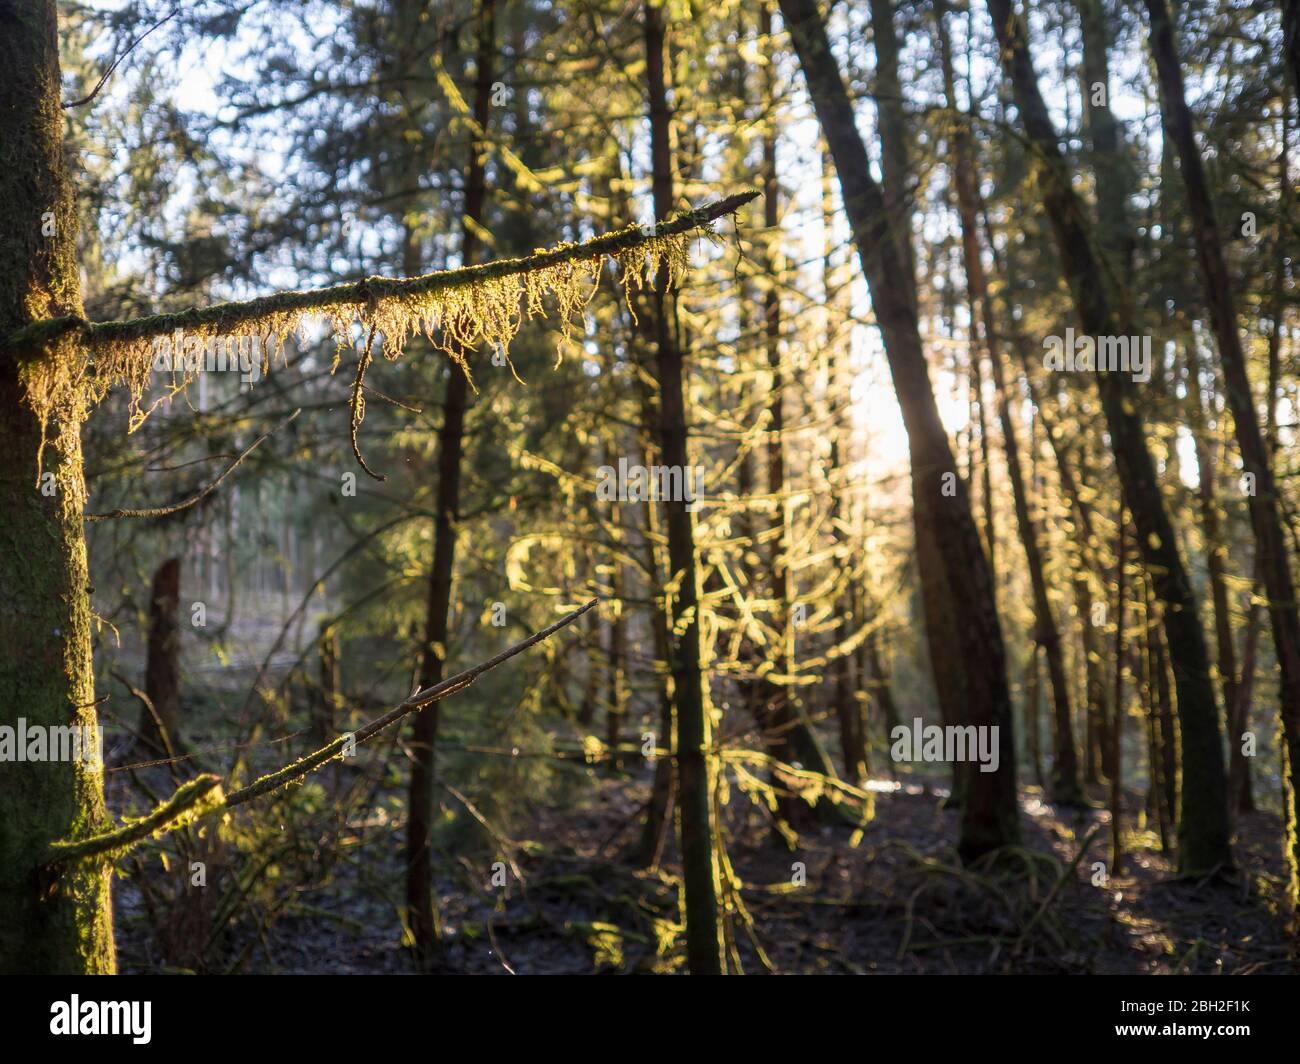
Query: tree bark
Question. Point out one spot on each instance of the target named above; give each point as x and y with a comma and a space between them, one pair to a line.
700, 868
1270, 547
162, 675
45, 665
1291, 40
1116, 730
329, 699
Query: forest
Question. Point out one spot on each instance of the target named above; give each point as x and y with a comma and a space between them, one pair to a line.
648, 487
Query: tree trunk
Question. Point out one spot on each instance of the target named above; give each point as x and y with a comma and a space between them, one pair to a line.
1065, 768
162, 674
694, 742
45, 666
895, 154
954, 567
1109, 163
1031, 715
421, 907
1291, 40
329, 699
1116, 729
1270, 547
616, 658
1216, 554
849, 708
1203, 827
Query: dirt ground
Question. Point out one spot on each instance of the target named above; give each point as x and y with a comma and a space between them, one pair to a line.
890, 897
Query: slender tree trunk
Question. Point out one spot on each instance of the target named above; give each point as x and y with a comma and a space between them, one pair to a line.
1109, 163
849, 708
162, 673
654, 834
1065, 787
329, 699
616, 658
1291, 40
664, 787
1032, 683
873, 676
591, 675
941, 504
421, 906
1216, 554
1117, 722
1241, 789
895, 153
1203, 827
986, 461
45, 665
694, 741
1270, 547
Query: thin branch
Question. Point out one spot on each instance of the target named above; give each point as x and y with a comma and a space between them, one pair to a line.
395, 402
163, 511
168, 748
113, 66
419, 700
226, 316
192, 799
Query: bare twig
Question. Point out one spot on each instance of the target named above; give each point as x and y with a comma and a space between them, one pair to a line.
163, 511
419, 700
113, 66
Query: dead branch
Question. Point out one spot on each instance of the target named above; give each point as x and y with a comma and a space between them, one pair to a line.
163, 511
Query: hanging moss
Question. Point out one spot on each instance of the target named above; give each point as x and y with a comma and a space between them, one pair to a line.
455, 309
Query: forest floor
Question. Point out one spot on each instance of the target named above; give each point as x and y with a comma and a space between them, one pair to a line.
890, 898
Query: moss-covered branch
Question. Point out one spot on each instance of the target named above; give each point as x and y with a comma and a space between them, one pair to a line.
203, 795
191, 800
228, 317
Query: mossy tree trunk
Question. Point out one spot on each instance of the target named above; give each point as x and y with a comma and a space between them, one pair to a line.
45, 664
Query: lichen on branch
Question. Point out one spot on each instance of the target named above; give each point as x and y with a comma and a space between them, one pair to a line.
456, 309
191, 800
